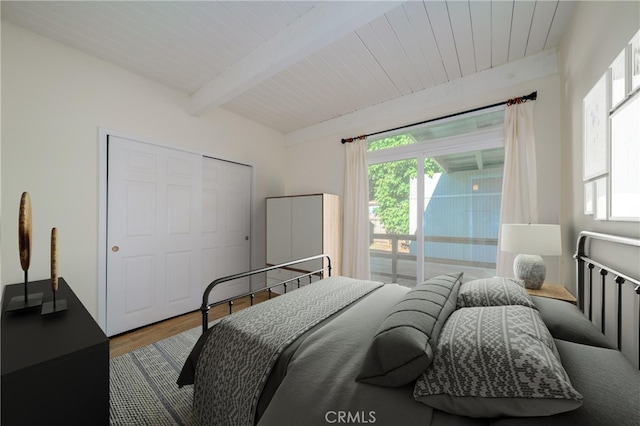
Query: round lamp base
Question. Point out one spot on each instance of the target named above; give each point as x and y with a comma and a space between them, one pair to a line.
530, 269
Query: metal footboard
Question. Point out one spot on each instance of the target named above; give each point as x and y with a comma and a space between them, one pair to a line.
585, 266
204, 308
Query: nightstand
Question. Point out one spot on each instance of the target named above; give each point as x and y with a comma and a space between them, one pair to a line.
553, 291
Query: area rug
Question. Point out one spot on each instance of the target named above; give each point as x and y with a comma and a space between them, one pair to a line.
143, 389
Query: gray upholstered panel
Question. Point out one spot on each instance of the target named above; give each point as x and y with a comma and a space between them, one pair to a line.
403, 345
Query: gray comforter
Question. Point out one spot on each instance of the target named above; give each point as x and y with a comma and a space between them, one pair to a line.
320, 387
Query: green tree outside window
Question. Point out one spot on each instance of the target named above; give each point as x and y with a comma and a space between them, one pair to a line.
390, 184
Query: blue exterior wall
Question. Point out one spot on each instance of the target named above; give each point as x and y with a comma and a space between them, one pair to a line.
456, 209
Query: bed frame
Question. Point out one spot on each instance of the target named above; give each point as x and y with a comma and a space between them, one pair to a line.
587, 285
290, 266
608, 276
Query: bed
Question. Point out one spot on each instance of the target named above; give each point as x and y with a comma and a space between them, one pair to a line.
445, 352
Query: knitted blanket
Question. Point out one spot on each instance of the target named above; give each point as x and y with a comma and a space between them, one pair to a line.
242, 348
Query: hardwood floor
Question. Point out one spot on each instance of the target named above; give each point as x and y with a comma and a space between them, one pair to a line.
138, 338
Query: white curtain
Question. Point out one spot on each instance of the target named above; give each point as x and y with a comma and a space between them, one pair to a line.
355, 247
519, 185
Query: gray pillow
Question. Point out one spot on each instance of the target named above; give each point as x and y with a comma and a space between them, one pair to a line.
403, 345
496, 361
565, 321
496, 291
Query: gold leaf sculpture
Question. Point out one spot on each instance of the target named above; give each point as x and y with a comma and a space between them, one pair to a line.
54, 259
54, 305
24, 248
25, 231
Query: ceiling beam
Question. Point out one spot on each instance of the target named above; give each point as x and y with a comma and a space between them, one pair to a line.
443, 163
321, 26
479, 160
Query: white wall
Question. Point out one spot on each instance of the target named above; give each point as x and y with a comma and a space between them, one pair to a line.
54, 99
596, 34
318, 165
0, 151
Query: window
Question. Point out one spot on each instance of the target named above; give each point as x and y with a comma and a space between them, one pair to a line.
456, 217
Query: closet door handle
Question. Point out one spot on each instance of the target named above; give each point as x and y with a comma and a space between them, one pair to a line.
115, 249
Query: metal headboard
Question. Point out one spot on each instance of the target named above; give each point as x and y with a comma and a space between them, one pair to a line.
204, 308
584, 262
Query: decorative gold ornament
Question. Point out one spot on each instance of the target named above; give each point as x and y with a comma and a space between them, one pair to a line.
54, 259
25, 230
54, 305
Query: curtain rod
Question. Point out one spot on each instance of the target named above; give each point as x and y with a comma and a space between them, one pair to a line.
530, 97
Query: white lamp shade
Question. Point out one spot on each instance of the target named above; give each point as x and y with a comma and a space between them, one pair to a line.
531, 239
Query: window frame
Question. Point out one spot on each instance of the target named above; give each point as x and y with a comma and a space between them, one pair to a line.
474, 141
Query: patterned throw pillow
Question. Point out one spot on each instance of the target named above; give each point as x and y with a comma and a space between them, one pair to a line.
404, 343
497, 291
496, 361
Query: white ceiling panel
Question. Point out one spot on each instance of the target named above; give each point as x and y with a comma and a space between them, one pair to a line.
558, 23
384, 86
377, 47
294, 64
522, 17
410, 45
443, 32
481, 28
402, 68
501, 14
417, 14
542, 19
360, 76
460, 18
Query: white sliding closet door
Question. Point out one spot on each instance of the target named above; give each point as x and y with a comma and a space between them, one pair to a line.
154, 265
226, 220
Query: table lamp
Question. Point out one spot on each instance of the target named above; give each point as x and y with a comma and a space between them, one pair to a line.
530, 241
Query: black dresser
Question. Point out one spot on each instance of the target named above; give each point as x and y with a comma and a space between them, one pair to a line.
55, 368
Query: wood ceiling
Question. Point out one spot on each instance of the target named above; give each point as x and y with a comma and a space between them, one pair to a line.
293, 64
